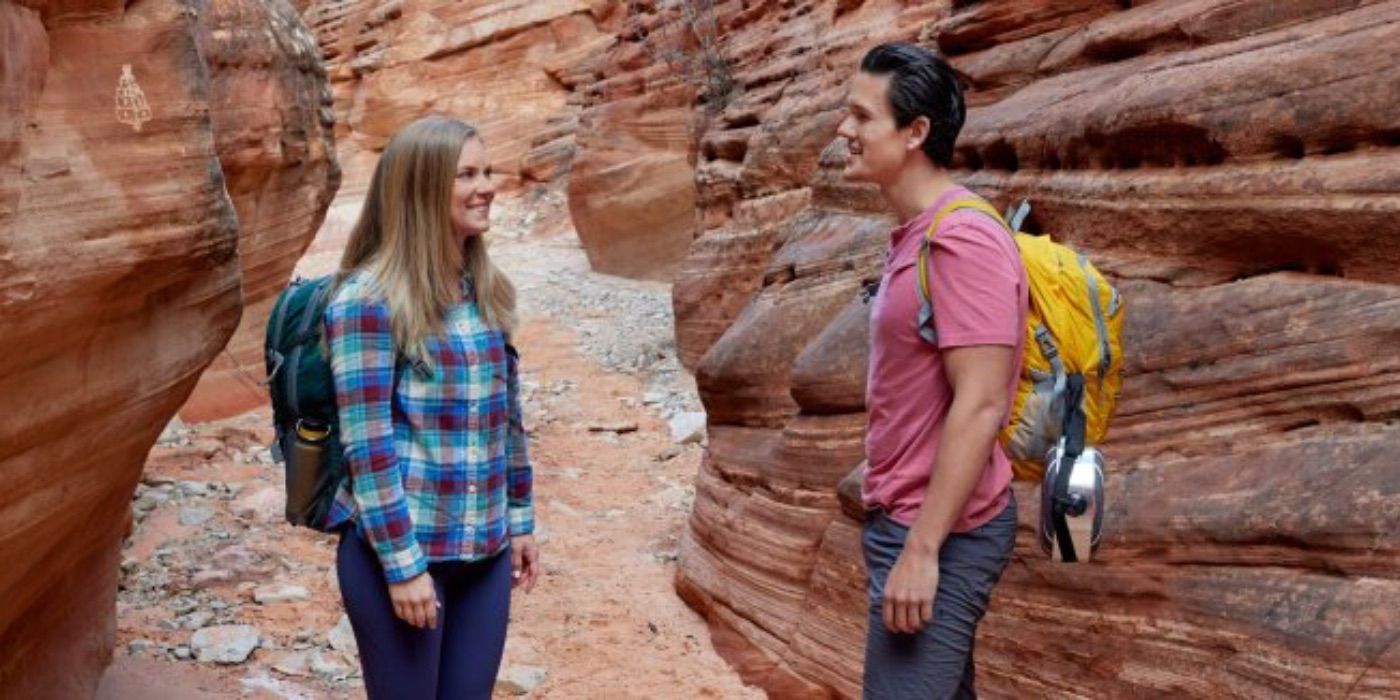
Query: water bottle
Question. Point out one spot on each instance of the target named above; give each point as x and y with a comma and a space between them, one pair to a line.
305, 467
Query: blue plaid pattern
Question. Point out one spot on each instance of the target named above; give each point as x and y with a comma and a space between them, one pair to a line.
437, 461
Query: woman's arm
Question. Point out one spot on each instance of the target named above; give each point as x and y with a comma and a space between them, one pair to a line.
524, 553
362, 362
519, 475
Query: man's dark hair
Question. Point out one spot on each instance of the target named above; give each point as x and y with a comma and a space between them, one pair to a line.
921, 85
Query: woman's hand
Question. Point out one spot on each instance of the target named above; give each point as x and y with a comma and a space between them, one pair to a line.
415, 601
524, 562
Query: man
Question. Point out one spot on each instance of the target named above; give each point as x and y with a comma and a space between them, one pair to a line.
942, 519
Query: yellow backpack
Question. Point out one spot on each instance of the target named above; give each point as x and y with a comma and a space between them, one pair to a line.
1075, 327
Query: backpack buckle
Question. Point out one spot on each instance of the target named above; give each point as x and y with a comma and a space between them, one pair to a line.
868, 291
277, 359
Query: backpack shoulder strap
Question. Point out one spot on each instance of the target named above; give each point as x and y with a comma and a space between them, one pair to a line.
316, 328
927, 330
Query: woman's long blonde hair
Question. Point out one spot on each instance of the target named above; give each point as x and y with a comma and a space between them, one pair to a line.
404, 237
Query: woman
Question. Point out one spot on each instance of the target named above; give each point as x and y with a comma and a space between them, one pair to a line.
437, 510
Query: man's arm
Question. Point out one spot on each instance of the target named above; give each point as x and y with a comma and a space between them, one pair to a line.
979, 376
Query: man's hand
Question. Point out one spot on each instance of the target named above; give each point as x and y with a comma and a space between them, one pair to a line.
910, 589
524, 562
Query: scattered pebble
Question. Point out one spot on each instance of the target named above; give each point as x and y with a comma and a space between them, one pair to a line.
224, 644
342, 637
276, 593
328, 668
195, 515
688, 427
292, 663
520, 680
619, 427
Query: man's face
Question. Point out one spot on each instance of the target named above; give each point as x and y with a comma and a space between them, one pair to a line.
878, 148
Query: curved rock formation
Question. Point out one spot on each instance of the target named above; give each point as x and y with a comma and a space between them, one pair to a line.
271, 109
117, 286
574, 92
120, 278
632, 185
1233, 163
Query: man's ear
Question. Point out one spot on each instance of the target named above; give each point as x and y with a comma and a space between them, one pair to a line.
919, 131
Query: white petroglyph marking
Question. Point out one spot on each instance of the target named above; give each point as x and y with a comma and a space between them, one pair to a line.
131, 101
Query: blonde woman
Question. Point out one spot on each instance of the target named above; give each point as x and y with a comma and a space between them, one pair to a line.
437, 511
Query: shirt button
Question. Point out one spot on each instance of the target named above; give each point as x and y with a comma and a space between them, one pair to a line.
471, 488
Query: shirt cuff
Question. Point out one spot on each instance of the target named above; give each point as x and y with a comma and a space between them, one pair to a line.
404, 564
522, 520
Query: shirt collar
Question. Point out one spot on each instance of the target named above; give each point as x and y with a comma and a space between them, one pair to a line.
920, 223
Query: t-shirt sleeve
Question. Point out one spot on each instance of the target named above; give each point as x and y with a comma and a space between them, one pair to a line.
976, 288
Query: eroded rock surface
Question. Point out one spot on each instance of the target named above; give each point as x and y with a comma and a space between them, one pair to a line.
119, 281
507, 66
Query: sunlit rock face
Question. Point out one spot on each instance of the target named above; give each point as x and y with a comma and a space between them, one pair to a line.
1234, 166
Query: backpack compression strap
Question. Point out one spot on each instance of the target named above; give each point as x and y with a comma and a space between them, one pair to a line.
927, 330
1062, 503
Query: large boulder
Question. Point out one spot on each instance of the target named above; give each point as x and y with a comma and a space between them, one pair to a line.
632, 184
1233, 165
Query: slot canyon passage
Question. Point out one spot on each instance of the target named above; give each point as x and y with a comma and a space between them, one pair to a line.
688, 259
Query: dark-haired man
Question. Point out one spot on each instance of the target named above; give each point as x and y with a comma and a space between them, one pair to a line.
941, 517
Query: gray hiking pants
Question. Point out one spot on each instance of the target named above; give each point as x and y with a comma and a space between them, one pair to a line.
936, 662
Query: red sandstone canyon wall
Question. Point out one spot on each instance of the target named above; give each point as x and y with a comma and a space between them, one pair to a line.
508, 66
1234, 164
120, 277
273, 131
561, 97
632, 186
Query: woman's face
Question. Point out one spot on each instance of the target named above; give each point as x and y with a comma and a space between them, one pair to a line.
472, 191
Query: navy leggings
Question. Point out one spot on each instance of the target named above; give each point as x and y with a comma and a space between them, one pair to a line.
458, 660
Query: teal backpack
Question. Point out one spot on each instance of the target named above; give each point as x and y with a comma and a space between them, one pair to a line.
303, 401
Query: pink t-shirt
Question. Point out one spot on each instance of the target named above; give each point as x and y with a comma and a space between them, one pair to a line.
980, 297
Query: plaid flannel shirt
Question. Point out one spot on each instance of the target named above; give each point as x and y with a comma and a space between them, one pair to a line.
438, 469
